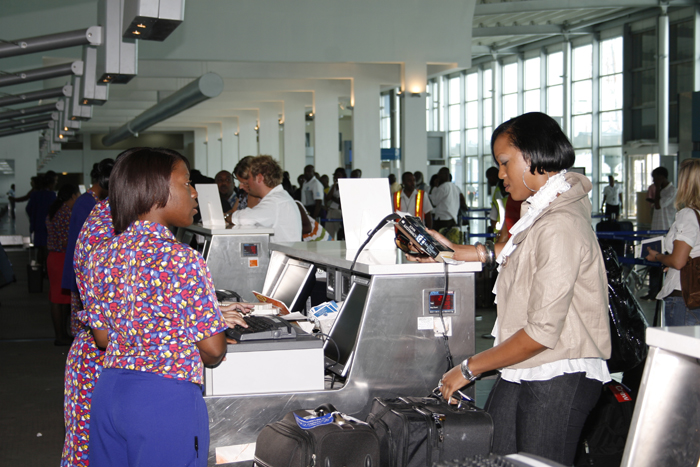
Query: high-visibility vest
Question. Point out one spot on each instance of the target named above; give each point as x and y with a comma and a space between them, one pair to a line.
420, 194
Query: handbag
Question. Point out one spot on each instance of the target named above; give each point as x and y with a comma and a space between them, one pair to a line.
627, 322
690, 279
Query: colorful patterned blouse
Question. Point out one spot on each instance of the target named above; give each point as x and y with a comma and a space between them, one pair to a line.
156, 298
57, 229
97, 227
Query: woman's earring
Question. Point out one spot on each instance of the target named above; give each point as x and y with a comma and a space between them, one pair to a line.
526, 183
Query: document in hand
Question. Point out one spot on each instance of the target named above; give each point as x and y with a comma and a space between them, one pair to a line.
655, 243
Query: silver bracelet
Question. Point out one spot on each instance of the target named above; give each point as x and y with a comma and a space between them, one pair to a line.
490, 254
466, 372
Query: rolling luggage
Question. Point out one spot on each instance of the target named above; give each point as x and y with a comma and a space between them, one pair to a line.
323, 437
420, 431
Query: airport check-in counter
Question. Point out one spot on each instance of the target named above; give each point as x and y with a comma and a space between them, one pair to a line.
397, 351
665, 429
237, 257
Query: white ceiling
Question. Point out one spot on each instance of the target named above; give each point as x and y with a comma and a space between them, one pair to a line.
270, 50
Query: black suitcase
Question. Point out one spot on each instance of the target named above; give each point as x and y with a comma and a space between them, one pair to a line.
420, 431
321, 437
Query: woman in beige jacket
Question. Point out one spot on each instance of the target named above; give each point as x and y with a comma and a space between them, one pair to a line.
552, 332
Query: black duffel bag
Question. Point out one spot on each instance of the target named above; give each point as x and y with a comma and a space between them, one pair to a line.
420, 431
323, 437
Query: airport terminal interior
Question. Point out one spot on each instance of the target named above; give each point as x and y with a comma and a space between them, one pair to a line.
384, 86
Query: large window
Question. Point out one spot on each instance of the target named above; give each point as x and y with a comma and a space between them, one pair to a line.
510, 91
680, 70
610, 129
454, 134
555, 84
643, 82
531, 85
385, 120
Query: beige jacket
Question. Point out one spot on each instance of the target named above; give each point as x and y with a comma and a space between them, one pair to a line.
554, 284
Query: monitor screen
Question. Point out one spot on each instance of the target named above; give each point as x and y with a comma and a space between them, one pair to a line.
344, 331
295, 284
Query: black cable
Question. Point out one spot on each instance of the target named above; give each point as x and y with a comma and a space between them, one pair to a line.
337, 349
382, 223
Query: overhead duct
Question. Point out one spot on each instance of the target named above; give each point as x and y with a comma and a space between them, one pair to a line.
205, 87
91, 35
26, 129
29, 120
152, 20
39, 109
117, 58
36, 96
75, 68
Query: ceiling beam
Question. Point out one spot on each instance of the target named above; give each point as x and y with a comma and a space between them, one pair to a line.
537, 30
529, 6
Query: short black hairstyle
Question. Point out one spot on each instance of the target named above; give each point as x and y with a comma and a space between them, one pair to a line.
406, 174
541, 141
104, 170
660, 171
139, 182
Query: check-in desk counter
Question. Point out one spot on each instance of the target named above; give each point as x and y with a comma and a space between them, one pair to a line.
665, 429
397, 351
237, 257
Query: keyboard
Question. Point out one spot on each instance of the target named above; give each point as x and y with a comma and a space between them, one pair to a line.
262, 328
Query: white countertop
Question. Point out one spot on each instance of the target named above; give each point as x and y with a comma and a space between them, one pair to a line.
228, 230
372, 262
684, 340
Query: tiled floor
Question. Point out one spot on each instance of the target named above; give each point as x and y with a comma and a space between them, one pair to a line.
31, 425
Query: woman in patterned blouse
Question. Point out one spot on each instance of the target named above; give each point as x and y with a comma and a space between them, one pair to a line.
57, 235
150, 300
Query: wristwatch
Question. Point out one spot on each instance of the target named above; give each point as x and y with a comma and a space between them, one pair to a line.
466, 372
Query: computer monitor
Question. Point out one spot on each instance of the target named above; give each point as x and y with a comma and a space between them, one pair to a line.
345, 330
295, 284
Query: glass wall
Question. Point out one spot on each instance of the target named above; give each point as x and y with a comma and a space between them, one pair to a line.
612, 79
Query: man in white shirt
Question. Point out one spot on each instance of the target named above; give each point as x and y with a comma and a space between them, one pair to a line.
612, 199
276, 209
445, 200
415, 202
312, 192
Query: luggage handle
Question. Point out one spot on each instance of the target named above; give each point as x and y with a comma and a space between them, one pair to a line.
325, 409
463, 398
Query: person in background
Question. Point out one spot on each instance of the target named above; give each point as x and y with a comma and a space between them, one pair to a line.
682, 241
227, 190
311, 229
663, 213
35, 185
37, 209
414, 202
90, 221
157, 316
356, 173
612, 199
552, 332
11, 200
394, 186
57, 224
446, 201
287, 184
335, 228
245, 200
420, 182
326, 184
276, 209
498, 200
312, 193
